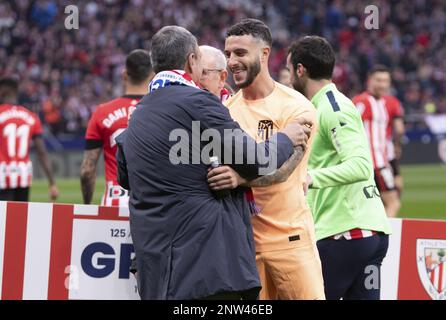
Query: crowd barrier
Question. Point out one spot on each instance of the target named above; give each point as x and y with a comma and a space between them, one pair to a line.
59, 251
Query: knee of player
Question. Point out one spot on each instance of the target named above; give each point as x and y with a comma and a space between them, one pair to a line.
397, 203
86, 172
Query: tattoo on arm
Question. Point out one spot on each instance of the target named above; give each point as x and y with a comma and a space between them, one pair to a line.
282, 173
88, 173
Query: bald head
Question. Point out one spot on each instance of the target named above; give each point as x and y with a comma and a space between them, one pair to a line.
214, 69
213, 57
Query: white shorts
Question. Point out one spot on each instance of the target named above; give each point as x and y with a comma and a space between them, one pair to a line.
115, 195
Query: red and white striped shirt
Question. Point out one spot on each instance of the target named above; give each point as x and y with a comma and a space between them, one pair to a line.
394, 110
375, 118
354, 234
18, 126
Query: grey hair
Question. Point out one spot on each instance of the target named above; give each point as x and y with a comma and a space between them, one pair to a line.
171, 46
218, 55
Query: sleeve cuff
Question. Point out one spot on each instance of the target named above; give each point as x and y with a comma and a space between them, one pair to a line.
282, 138
93, 144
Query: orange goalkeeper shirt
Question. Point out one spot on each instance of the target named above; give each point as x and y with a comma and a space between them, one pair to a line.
285, 220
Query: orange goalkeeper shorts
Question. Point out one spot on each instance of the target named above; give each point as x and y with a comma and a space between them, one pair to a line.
291, 274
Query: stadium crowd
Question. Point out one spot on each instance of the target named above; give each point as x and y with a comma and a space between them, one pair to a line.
64, 73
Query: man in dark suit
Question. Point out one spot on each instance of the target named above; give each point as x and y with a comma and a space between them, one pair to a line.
189, 243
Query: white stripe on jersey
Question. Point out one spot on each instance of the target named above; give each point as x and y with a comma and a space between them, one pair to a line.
383, 127
378, 132
115, 196
366, 233
25, 171
390, 150
13, 175
124, 200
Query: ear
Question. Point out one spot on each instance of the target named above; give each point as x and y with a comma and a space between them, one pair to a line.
125, 76
300, 71
223, 77
190, 61
265, 54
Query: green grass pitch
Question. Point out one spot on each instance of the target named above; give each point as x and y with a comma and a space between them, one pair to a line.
424, 194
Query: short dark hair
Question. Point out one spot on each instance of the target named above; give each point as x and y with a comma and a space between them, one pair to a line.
170, 48
378, 68
315, 54
256, 28
8, 88
138, 65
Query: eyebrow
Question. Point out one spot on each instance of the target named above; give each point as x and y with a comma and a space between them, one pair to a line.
240, 50
237, 50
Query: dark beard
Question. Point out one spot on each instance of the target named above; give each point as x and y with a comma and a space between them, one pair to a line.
252, 71
299, 85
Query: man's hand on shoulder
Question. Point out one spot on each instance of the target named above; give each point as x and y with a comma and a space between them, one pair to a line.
299, 132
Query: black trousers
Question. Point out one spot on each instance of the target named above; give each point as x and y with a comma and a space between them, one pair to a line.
251, 294
352, 268
16, 194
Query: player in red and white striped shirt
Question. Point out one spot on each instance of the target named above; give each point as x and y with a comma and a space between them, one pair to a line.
106, 123
18, 127
376, 110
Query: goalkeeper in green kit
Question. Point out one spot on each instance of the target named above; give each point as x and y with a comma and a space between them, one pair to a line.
351, 224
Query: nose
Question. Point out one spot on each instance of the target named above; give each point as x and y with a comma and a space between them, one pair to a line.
232, 62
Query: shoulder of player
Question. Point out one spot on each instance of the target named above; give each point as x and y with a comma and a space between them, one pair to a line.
107, 107
289, 94
392, 101
24, 109
293, 100
363, 97
335, 104
391, 98
19, 107
108, 104
102, 107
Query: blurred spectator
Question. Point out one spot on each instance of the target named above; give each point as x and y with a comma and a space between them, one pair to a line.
43, 13
64, 74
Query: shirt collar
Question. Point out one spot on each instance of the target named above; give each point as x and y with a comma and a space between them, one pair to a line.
321, 92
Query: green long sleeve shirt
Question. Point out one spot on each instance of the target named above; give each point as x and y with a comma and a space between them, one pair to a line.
343, 195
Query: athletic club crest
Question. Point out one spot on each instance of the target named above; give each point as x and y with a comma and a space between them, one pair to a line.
431, 262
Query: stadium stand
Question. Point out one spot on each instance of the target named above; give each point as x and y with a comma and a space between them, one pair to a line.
64, 74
